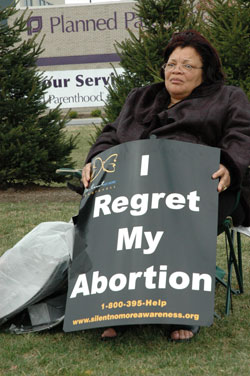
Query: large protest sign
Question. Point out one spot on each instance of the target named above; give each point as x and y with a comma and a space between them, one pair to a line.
145, 244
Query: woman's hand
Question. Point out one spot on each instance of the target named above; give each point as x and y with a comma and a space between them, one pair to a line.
86, 173
224, 176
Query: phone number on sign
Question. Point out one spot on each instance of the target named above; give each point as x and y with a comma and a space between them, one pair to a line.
135, 303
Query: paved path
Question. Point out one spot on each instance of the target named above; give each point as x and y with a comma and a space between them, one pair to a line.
88, 121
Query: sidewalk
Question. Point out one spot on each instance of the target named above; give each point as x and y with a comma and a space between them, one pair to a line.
88, 121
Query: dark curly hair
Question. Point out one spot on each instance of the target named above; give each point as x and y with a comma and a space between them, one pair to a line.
212, 68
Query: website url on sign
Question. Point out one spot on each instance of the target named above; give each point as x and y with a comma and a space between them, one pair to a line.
135, 315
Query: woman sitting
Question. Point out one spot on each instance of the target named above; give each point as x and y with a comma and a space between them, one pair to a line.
194, 105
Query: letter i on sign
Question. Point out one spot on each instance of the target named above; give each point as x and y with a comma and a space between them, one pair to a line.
144, 165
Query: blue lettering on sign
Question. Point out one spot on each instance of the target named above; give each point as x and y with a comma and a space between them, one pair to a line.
60, 24
69, 26
76, 98
91, 81
132, 20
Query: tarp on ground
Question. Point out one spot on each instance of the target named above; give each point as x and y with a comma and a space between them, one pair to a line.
35, 268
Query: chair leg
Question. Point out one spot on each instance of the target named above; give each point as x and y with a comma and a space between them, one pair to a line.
237, 264
240, 262
229, 297
232, 261
229, 275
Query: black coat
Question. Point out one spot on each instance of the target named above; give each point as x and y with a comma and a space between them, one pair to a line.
214, 115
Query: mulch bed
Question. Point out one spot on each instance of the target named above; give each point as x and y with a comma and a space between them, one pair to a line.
38, 193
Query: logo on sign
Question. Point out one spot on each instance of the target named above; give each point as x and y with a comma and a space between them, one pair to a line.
107, 166
34, 24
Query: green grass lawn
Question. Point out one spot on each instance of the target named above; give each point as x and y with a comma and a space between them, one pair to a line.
83, 143
222, 349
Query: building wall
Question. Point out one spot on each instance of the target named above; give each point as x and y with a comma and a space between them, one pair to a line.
79, 40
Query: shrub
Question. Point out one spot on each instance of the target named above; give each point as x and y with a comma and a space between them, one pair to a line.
73, 114
96, 113
33, 143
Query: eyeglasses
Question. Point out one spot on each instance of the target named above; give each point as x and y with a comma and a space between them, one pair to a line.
169, 67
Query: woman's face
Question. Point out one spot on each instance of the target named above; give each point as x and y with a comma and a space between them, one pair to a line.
183, 73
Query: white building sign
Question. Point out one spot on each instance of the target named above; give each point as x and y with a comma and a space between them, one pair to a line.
78, 88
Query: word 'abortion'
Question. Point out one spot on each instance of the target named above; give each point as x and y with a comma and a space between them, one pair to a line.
139, 204
153, 279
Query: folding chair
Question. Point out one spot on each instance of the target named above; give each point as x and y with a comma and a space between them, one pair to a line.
71, 172
234, 262
234, 254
